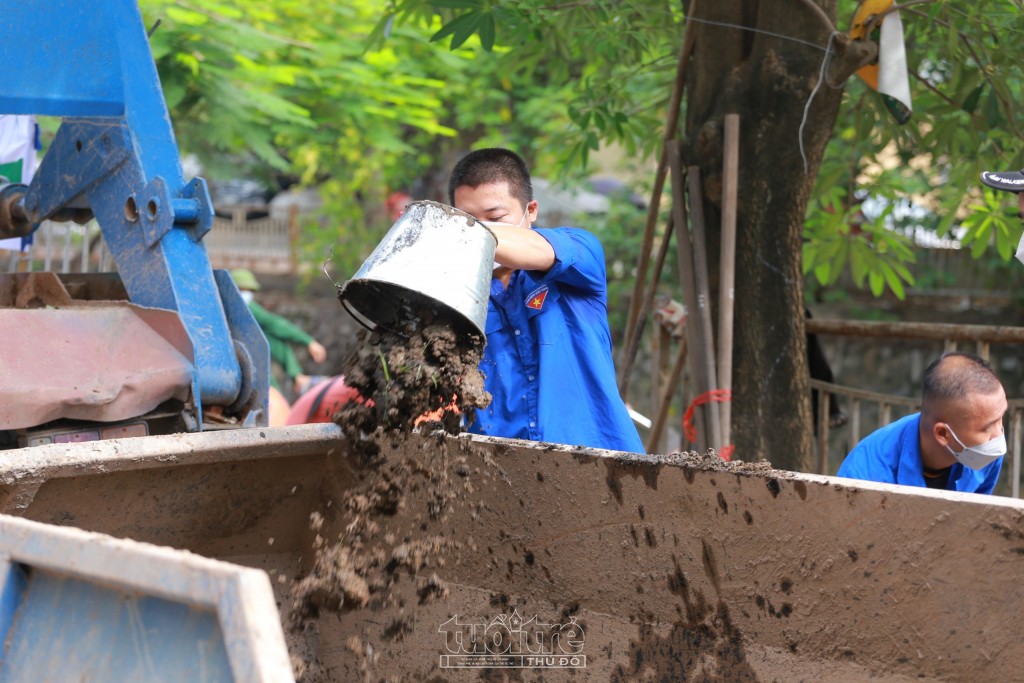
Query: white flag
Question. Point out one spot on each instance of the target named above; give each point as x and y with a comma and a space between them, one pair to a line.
17, 157
892, 61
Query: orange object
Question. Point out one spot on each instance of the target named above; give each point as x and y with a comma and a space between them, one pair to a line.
279, 408
320, 403
437, 415
868, 11
713, 396
397, 203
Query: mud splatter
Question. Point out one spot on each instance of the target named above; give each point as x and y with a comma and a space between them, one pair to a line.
703, 646
649, 467
427, 378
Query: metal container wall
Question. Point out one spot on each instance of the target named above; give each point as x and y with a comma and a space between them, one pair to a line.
673, 567
435, 260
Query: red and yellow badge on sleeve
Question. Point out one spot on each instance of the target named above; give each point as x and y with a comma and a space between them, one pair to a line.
537, 298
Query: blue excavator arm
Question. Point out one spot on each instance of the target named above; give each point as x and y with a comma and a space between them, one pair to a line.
115, 157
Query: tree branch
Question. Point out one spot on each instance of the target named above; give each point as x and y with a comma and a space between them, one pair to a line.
816, 9
850, 55
949, 100
977, 59
875, 20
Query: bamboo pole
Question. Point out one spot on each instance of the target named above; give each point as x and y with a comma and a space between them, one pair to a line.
658, 427
667, 141
633, 342
700, 268
684, 253
993, 334
823, 431
727, 291
661, 347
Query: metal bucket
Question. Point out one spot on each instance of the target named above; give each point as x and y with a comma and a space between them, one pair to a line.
434, 261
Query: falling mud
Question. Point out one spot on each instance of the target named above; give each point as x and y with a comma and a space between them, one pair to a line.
427, 378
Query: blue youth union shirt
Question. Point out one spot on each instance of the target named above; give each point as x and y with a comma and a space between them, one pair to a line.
548, 361
892, 455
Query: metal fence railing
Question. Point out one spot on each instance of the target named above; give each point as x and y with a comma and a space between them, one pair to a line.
266, 245
884, 405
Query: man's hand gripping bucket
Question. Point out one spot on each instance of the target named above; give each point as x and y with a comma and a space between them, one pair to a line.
433, 265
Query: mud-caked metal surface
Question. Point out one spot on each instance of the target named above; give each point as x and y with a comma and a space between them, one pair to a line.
656, 568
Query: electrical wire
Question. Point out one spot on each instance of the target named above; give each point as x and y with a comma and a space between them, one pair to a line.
781, 36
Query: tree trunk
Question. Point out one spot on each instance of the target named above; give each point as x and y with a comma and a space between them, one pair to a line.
767, 80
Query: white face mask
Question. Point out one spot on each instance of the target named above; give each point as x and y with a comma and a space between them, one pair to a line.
490, 224
977, 457
246, 296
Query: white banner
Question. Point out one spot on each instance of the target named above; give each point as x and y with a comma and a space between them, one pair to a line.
17, 157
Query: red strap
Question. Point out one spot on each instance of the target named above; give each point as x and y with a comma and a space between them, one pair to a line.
713, 396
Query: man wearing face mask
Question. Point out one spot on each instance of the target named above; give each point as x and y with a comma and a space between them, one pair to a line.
955, 443
548, 360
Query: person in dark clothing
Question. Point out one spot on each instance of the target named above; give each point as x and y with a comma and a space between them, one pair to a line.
821, 370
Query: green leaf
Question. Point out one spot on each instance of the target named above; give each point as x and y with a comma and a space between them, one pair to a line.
487, 32
877, 283
992, 114
460, 29
455, 4
185, 17
971, 101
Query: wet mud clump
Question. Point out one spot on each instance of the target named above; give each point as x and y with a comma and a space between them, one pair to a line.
430, 375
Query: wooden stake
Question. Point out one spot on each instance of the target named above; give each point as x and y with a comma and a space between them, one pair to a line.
668, 141
700, 270
727, 291
684, 254
633, 340
658, 427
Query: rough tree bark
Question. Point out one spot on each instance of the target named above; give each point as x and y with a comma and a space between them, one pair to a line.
767, 80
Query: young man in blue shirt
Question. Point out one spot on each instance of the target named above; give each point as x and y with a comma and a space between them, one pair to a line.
955, 443
548, 360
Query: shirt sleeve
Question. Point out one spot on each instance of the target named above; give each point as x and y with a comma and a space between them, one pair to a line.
278, 327
579, 259
988, 485
867, 461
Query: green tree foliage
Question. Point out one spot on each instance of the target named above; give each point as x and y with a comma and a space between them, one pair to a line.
965, 81
331, 95
361, 100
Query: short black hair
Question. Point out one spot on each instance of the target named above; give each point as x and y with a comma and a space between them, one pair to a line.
956, 374
492, 165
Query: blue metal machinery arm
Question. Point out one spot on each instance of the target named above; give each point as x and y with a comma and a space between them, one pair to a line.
116, 152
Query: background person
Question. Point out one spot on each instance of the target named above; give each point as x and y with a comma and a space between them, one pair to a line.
955, 443
548, 360
281, 334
